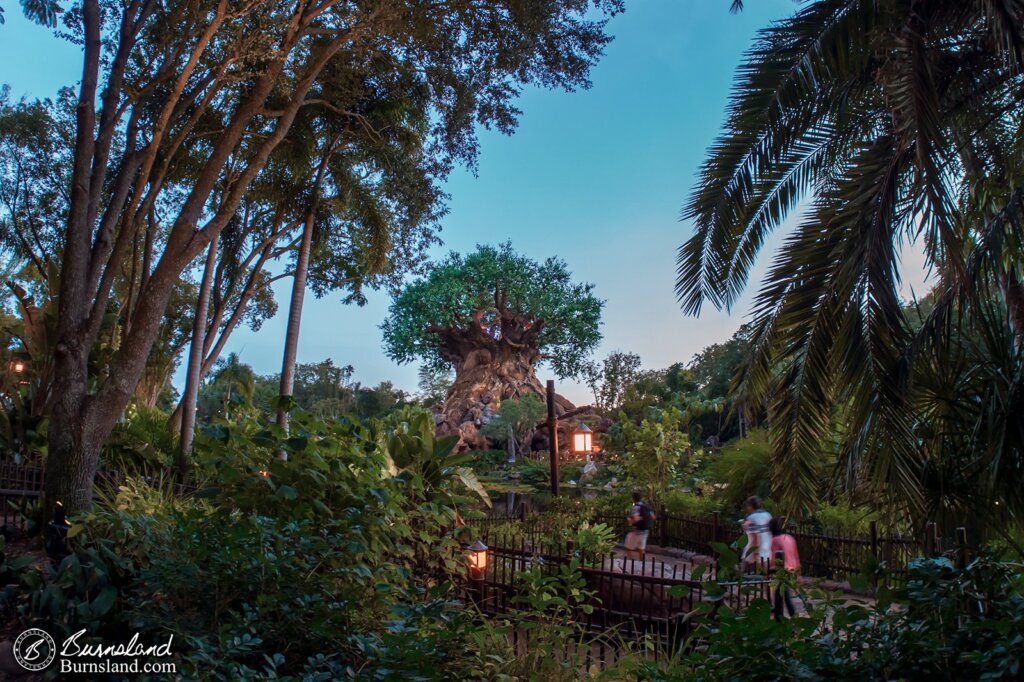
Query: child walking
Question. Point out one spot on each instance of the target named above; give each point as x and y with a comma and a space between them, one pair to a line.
784, 549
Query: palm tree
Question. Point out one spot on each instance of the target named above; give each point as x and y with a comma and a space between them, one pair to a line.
878, 122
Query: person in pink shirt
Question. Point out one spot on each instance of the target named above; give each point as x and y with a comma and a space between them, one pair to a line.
784, 549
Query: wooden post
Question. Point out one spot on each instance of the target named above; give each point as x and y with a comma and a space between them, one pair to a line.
961, 550
553, 437
716, 521
929, 539
874, 539
663, 518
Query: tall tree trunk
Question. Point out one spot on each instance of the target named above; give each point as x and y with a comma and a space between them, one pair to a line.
195, 362
486, 375
73, 454
291, 339
1013, 296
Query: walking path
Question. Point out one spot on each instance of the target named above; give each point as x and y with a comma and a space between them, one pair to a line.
669, 562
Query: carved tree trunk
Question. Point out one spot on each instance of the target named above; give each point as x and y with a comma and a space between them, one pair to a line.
492, 363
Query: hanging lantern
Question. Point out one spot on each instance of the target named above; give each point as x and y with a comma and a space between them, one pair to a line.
476, 557
583, 440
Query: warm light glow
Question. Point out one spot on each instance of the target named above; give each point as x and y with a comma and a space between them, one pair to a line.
476, 557
264, 473
19, 367
583, 440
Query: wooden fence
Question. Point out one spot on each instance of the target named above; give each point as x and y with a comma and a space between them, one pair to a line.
630, 600
22, 485
823, 554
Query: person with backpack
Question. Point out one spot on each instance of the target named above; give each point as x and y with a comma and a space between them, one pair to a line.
641, 519
784, 550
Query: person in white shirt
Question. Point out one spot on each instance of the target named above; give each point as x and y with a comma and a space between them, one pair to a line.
759, 537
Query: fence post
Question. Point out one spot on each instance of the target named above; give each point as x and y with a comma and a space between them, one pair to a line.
961, 552
929, 539
663, 535
522, 512
873, 528
716, 521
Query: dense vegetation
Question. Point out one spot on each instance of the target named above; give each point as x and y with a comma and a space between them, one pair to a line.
302, 526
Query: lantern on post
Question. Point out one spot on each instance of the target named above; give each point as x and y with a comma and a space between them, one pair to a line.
476, 557
583, 440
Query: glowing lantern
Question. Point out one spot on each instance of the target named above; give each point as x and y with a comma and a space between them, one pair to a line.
476, 556
582, 440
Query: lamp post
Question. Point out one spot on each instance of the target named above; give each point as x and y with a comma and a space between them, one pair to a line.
553, 437
582, 440
476, 558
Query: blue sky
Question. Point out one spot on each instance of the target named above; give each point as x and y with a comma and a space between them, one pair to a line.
597, 177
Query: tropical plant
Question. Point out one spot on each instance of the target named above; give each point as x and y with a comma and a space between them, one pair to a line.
655, 452
516, 421
893, 123
741, 469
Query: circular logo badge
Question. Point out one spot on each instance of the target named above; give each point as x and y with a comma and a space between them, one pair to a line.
34, 649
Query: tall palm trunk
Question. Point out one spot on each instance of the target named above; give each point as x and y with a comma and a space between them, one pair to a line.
195, 363
291, 339
1013, 296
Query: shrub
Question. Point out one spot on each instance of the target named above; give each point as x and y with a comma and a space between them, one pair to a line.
537, 474
843, 518
743, 469
286, 555
486, 461
570, 472
688, 504
654, 453
950, 624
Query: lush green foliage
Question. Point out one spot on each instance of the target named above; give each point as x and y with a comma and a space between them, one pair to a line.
322, 389
358, 522
741, 469
655, 453
945, 624
520, 417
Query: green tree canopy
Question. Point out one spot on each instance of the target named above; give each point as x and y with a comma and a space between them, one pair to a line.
499, 300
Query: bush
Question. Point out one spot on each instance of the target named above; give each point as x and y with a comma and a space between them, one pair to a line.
949, 624
655, 453
743, 469
688, 504
537, 474
486, 461
143, 441
286, 555
570, 472
842, 518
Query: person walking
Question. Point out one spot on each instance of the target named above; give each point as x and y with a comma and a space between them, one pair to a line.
783, 547
641, 518
759, 538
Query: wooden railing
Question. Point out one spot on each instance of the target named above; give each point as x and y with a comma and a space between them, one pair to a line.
21, 485
650, 600
823, 554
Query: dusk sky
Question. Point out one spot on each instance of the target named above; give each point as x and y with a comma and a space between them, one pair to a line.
597, 177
